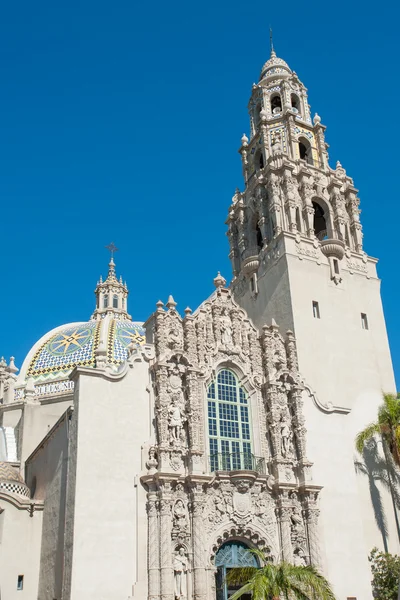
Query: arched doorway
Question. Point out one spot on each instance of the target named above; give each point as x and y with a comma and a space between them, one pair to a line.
230, 555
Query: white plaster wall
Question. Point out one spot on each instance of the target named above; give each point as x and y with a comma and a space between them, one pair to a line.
20, 536
48, 467
34, 421
109, 554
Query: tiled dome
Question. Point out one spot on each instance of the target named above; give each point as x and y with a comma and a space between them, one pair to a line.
9, 473
75, 345
274, 66
11, 480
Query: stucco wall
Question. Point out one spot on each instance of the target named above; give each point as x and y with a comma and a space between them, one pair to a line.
109, 525
20, 536
47, 470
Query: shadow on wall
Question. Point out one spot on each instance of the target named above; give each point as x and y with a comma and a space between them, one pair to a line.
381, 473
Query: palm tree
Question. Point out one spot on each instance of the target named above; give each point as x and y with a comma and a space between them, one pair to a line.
387, 425
272, 581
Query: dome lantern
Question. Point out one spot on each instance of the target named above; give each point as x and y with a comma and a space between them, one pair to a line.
111, 294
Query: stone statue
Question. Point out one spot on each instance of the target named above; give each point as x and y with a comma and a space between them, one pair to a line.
180, 515
299, 558
285, 437
152, 462
180, 570
175, 422
226, 331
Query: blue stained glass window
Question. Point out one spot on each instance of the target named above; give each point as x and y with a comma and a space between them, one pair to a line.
229, 424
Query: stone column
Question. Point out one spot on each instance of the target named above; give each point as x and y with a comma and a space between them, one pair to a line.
311, 518
199, 569
153, 557
166, 570
283, 513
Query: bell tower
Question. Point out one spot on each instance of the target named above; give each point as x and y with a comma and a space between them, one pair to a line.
296, 243
296, 248
298, 261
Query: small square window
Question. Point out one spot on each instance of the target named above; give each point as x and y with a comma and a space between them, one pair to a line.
20, 582
364, 321
315, 308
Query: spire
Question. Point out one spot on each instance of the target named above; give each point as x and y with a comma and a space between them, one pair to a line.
111, 294
271, 43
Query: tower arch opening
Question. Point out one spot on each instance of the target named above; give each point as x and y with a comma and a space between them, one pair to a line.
256, 114
305, 151
115, 301
295, 102
320, 224
276, 104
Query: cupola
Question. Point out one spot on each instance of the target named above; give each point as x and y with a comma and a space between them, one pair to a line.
111, 294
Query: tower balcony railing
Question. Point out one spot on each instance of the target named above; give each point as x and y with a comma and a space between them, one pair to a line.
237, 461
252, 251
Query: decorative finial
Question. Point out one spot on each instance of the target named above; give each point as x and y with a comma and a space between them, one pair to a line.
317, 119
171, 302
244, 140
112, 248
271, 43
219, 281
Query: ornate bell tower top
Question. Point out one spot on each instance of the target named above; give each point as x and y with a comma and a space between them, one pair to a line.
111, 294
289, 185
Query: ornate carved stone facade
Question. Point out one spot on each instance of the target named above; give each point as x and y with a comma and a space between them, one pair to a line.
194, 508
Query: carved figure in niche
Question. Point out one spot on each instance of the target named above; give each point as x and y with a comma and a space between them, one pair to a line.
176, 420
276, 143
152, 462
174, 338
261, 506
180, 571
220, 507
226, 330
180, 516
286, 434
297, 525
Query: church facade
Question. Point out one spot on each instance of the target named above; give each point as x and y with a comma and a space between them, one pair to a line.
144, 460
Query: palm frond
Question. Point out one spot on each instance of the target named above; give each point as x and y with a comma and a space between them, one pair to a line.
365, 435
240, 575
245, 589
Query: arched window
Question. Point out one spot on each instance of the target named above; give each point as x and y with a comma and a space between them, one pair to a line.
105, 301
295, 102
319, 221
276, 104
123, 303
232, 554
115, 301
261, 161
257, 112
305, 151
229, 426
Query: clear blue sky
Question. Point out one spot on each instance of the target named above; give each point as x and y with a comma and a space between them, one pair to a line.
120, 121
